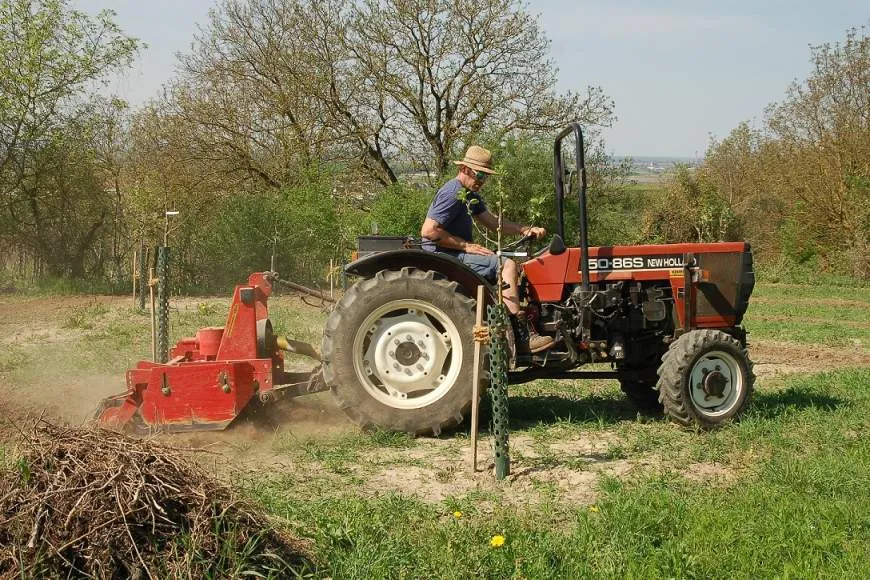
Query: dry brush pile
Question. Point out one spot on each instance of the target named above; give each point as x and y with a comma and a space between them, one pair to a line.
82, 502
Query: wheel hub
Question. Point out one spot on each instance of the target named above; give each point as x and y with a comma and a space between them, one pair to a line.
405, 356
407, 353
715, 383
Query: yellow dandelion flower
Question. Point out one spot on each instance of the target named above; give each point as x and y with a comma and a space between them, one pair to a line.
457, 515
497, 541
594, 509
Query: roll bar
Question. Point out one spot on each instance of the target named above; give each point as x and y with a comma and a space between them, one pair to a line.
559, 178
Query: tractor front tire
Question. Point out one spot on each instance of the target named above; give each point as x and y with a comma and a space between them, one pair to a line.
705, 379
398, 352
642, 394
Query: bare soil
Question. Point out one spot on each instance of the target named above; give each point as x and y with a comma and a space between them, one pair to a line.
784, 358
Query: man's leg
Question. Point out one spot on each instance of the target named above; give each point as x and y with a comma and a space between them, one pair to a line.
486, 267
511, 294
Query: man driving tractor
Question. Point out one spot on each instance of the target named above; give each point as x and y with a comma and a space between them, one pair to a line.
448, 230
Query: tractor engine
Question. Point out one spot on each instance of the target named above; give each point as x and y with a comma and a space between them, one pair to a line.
635, 303
613, 322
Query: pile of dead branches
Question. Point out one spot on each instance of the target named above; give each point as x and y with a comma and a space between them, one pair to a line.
81, 502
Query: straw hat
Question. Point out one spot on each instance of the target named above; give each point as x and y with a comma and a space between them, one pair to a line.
478, 159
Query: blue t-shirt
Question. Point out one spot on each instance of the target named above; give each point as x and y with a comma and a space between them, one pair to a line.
454, 214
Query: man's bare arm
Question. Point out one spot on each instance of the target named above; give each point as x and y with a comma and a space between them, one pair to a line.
434, 232
490, 222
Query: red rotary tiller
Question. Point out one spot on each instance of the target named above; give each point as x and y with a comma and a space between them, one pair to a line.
212, 377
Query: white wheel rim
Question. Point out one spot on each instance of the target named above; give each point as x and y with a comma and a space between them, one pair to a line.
407, 354
716, 383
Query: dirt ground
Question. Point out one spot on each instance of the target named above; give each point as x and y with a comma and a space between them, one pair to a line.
432, 469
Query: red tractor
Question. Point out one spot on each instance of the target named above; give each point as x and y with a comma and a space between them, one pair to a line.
397, 348
667, 318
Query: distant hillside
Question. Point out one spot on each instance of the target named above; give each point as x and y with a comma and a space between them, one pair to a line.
650, 169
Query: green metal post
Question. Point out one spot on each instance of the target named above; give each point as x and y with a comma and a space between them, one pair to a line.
498, 363
163, 304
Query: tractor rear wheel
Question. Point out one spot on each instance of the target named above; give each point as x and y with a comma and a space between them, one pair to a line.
397, 352
705, 379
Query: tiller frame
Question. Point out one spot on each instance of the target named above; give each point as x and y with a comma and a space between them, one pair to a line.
212, 377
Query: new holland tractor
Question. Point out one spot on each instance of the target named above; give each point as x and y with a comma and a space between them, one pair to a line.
667, 318
397, 348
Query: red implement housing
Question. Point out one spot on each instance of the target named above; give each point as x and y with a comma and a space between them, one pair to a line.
212, 377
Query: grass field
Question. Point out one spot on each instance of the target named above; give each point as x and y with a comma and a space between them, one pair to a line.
596, 490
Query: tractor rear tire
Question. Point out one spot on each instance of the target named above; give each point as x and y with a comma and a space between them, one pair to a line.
705, 379
398, 352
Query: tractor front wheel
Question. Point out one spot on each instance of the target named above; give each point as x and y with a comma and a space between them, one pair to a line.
705, 379
643, 394
397, 352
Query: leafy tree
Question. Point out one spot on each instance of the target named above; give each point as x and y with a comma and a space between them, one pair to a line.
798, 187
449, 73
526, 163
821, 151
692, 210
51, 190
273, 85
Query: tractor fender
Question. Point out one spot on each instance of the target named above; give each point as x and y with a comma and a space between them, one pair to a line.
443, 264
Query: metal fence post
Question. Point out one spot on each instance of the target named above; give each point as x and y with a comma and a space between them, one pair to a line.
498, 362
163, 286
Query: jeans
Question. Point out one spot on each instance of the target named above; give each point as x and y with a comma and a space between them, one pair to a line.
486, 266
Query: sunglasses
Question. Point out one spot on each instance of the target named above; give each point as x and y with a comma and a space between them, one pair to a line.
479, 176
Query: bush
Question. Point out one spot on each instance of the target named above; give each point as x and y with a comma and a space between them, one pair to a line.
301, 223
400, 210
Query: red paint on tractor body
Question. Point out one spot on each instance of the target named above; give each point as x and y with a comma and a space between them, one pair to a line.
551, 276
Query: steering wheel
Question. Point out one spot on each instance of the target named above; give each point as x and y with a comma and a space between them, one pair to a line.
520, 248
523, 241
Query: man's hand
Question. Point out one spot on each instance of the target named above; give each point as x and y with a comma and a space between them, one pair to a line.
477, 249
537, 232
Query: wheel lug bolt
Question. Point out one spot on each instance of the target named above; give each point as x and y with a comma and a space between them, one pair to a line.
419, 367
705, 370
392, 354
409, 338
397, 342
408, 372
396, 366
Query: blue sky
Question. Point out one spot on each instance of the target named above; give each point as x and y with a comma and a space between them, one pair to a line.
679, 70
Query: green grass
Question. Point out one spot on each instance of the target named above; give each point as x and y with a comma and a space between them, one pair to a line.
12, 357
789, 292
792, 500
340, 454
810, 315
800, 509
826, 333
808, 310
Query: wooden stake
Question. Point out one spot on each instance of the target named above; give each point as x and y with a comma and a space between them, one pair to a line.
134, 274
475, 381
331, 278
151, 282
